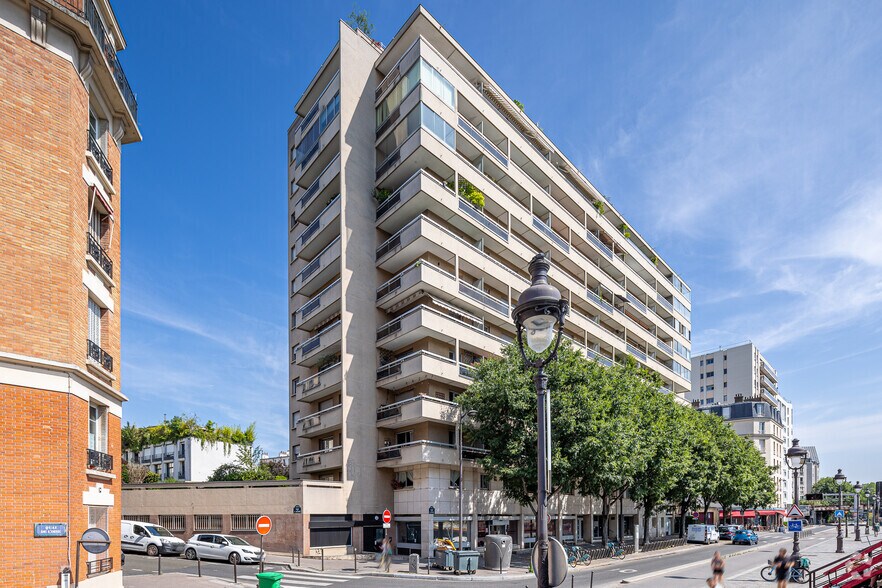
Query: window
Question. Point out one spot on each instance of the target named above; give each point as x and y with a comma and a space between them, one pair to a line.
295, 416
205, 522
485, 482
409, 532
454, 478
97, 428
709, 388
725, 357
174, 523
421, 71
451, 438
710, 361
182, 472
725, 371
437, 83
438, 126
309, 144
98, 517
725, 384
710, 374
325, 444
38, 25
403, 437
244, 522
701, 363
725, 397
404, 479
727, 412
700, 376
94, 322
295, 451
702, 388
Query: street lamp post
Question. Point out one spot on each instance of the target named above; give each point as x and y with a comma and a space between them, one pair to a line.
462, 415
867, 523
857, 510
539, 309
839, 478
796, 457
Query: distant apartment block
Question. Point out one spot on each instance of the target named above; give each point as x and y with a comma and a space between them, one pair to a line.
741, 386
418, 193
811, 472
187, 460
66, 110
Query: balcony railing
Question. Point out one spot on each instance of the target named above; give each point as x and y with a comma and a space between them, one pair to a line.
483, 220
96, 251
313, 342
484, 298
551, 234
604, 248
635, 352
99, 566
96, 460
314, 187
636, 302
316, 302
316, 380
103, 358
599, 301
95, 150
467, 371
387, 164
317, 223
388, 245
664, 346
664, 302
106, 46
482, 140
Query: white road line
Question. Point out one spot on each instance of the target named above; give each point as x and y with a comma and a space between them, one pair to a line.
302, 584
322, 575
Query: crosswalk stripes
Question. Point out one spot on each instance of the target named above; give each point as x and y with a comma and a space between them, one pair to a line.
304, 579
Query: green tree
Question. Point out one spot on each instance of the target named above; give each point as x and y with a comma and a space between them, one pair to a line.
687, 491
181, 427
358, 19
246, 467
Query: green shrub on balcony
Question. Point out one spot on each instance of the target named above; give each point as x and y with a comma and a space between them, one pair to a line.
381, 194
626, 230
600, 206
471, 194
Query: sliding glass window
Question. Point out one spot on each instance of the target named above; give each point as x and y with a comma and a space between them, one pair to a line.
309, 143
420, 116
421, 71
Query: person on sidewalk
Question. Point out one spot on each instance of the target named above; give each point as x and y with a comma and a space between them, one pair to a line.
386, 558
717, 568
782, 568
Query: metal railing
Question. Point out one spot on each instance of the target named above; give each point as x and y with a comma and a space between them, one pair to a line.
387, 164
317, 223
388, 246
604, 248
635, 351
551, 234
483, 141
315, 381
389, 328
311, 267
98, 153
103, 358
483, 219
390, 410
314, 187
664, 346
315, 303
599, 301
636, 302
96, 251
99, 566
109, 51
484, 298
394, 367
664, 302
96, 460
313, 343
390, 79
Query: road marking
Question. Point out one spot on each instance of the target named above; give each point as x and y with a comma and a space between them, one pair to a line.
304, 584
628, 571
322, 575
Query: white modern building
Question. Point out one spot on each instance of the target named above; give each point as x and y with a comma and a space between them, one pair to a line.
740, 385
419, 191
188, 460
811, 472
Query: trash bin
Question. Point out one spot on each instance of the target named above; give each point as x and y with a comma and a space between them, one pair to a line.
497, 552
444, 559
465, 562
413, 563
269, 580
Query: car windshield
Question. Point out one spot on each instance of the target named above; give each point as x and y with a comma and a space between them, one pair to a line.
236, 540
159, 531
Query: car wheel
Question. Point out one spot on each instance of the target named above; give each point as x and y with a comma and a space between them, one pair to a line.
152, 550
235, 558
190, 553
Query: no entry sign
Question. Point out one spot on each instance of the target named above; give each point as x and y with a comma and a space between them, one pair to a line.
387, 516
264, 525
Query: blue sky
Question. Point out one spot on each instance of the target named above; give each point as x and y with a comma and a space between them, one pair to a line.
743, 140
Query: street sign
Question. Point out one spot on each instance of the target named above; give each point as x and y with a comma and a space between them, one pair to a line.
794, 512
794, 526
387, 525
264, 525
431, 510
298, 509
50, 529
839, 514
95, 540
557, 562
387, 516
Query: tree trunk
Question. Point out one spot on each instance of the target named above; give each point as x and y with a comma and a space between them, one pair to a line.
682, 520
646, 512
605, 514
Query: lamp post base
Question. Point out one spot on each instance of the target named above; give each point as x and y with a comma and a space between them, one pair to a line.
839, 546
857, 534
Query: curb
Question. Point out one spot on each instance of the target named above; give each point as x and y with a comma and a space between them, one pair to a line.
441, 577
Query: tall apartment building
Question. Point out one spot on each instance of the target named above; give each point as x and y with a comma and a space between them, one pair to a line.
66, 108
811, 472
419, 192
738, 384
187, 460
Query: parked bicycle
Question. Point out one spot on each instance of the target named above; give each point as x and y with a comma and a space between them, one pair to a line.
578, 555
616, 550
799, 573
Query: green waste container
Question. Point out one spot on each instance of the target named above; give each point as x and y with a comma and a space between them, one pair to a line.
269, 580
465, 562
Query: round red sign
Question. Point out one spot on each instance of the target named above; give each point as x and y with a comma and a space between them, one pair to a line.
387, 516
264, 525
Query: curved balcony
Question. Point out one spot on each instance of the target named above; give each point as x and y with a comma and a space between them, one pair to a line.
321, 385
317, 272
321, 423
320, 232
319, 461
419, 366
424, 451
415, 410
314, 349
319, 308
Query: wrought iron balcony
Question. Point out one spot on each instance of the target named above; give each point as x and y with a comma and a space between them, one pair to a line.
96, 251
95, 460
106, 46
103, 358
95, 149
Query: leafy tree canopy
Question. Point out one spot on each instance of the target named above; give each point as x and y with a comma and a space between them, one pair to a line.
358, 19
136, 438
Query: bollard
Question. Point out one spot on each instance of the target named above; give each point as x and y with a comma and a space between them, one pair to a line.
322, 549
235, 573
199, 564
592, 580
159, 563
572, 580
292, 555
355, 559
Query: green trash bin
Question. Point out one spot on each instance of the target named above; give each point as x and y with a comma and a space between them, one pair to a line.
269, 580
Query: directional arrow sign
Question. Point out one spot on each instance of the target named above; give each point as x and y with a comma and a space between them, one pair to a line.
839, 514
795, 513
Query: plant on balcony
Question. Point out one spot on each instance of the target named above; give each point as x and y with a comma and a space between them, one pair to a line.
600, 206
471, 194
519, 104
327, 361
381, 194
133, 473
655, 260
172, 430
358, 19
626, 230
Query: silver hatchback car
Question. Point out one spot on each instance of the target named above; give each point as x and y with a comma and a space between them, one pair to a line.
215, 546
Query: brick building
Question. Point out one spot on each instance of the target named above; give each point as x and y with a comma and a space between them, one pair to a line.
65, 110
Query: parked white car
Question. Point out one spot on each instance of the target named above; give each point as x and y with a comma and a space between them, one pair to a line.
706, 534
215, 546
150, 539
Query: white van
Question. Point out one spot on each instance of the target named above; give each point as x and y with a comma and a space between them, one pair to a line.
706, 534
150, 539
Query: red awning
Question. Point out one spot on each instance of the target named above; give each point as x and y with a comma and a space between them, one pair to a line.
772, 512
748, 514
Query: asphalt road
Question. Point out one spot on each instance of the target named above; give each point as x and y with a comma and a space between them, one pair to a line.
685, 568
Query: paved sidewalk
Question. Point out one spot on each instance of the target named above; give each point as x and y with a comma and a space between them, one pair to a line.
181, 581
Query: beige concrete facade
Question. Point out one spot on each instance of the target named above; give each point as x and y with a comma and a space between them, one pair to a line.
399, 283
739, 384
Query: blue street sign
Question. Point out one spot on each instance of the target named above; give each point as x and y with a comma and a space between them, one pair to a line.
50, 529
839, 514
794, 526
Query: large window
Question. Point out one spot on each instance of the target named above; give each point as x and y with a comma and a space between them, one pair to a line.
97, 428
421, 71
94, 322
310, 141
423, 116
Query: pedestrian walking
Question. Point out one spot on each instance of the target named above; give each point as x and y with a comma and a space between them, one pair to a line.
717, 568
782, 568
386, 558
